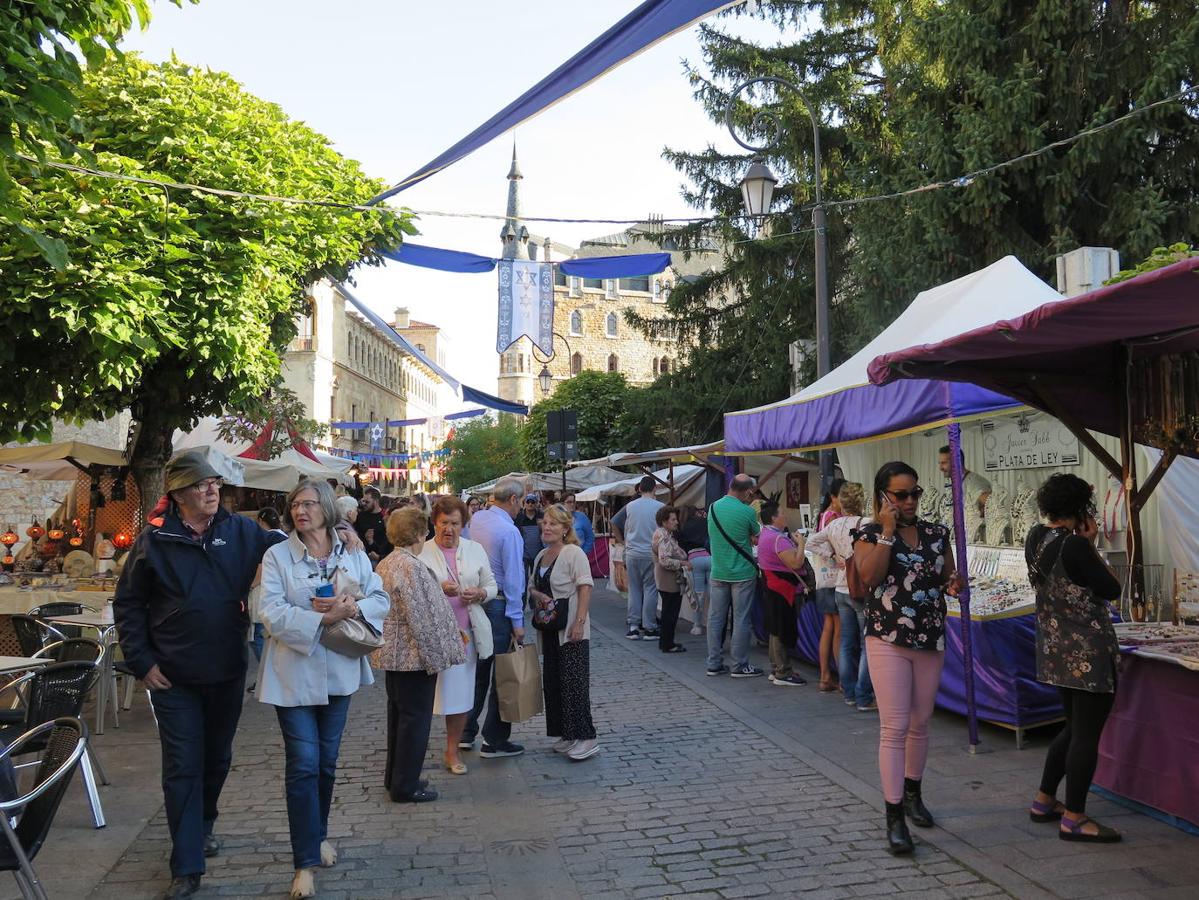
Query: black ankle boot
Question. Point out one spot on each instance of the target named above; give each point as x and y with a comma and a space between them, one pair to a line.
899, 840
914, 806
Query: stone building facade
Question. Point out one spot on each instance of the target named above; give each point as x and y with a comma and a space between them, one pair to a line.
344, 369
590, 329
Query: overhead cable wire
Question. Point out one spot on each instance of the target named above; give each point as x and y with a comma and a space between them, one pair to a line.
959, 181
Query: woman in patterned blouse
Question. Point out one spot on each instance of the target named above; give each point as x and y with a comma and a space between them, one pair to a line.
907, 566
1076, 649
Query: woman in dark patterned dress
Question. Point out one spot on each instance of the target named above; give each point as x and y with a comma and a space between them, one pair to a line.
907, 566
1076, 649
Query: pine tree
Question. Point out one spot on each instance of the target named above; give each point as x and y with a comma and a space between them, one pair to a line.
910, 94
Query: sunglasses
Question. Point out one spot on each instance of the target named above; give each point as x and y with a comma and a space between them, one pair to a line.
905, 496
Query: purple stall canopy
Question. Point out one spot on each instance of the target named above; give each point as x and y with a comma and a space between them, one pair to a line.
1073, 347
649, 23
844, 406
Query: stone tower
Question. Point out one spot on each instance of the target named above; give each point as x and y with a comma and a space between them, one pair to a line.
514, 236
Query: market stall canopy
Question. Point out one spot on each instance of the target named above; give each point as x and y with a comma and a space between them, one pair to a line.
669, 454
576, 479
688, 486
58, 462
1069, 357
844, 406
287, 468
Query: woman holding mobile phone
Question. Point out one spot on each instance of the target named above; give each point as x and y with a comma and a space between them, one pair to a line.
907, 566
1077, 649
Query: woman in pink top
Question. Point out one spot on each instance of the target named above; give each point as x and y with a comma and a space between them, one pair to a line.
462, 568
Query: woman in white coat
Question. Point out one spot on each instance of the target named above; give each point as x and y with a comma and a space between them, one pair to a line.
465, 576
309, 685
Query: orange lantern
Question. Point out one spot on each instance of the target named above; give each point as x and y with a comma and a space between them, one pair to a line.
35, 531
9, 538
122, 540
8, 562
55, 533
76, 540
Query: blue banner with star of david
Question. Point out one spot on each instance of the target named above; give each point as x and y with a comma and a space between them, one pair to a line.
526, 304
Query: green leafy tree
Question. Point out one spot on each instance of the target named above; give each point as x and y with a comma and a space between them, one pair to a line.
174, 304
599, 398
482, 449
278, 410
39, 80
910, 94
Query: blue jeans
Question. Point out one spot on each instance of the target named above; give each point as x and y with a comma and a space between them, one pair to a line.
258, 640
643, 592
854, 671
740, 594
701, 571
196, 724
311, 739
496, 732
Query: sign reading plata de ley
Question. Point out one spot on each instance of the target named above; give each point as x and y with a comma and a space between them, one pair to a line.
1023, 444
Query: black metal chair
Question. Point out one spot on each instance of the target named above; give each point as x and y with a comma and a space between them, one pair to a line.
64, 741
78, 649
52, 692
62, 608
31, 633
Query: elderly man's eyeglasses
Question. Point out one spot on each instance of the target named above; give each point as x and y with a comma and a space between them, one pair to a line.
208, 484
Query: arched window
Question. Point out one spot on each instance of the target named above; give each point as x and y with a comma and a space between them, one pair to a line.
576, 322
665, 366
611, 324
655, 369
613, 363
576, 364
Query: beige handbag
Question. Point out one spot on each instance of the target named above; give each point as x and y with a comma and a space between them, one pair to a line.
480, 627
355, 637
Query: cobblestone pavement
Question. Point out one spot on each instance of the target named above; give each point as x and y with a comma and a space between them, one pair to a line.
704, 788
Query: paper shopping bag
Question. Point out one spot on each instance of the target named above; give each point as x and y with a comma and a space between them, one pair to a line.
518, 683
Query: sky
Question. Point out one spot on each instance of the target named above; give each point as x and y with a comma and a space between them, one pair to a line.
393, 83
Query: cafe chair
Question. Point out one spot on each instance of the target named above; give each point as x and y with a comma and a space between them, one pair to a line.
32, 634
78, 649
64, 743
62, 608
50, 693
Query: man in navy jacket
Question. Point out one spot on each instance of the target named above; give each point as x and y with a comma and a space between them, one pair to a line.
181, 615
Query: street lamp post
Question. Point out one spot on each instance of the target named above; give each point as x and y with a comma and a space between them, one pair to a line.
546, 378
757, 191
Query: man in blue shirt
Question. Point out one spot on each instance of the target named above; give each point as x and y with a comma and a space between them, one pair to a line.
495, 529
583, 529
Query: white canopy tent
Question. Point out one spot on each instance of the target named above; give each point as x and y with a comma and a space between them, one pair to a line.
278, 474
688, 487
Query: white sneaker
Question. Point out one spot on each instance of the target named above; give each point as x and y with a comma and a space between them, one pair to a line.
696, 629
562, 745
583, 750
328, 854
302, 885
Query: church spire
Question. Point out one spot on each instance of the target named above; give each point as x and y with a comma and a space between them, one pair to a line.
514, 235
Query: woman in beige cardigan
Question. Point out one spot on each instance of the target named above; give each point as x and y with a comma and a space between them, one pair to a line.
465, 575
420, 638
562, 572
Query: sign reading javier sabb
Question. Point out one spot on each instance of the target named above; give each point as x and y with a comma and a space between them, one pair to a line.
1028, 443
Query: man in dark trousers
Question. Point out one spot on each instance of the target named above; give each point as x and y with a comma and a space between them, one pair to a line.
181, 615
371, 525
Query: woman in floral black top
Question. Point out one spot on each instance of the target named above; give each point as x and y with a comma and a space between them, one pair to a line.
907, 567
1076, 649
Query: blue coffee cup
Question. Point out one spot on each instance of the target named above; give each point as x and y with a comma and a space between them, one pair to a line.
325, 590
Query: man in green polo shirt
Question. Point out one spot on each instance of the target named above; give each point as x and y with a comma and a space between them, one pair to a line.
731, 528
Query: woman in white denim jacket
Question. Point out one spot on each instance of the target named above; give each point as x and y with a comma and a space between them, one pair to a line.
309, 685
467, 580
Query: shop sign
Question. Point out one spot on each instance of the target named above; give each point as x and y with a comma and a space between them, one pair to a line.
1025, 443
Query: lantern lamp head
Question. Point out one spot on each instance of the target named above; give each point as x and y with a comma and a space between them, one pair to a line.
757, 189
546, 379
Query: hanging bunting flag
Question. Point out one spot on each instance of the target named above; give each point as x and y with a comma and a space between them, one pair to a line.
628, 266
651, 22
377, 432
526, 305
